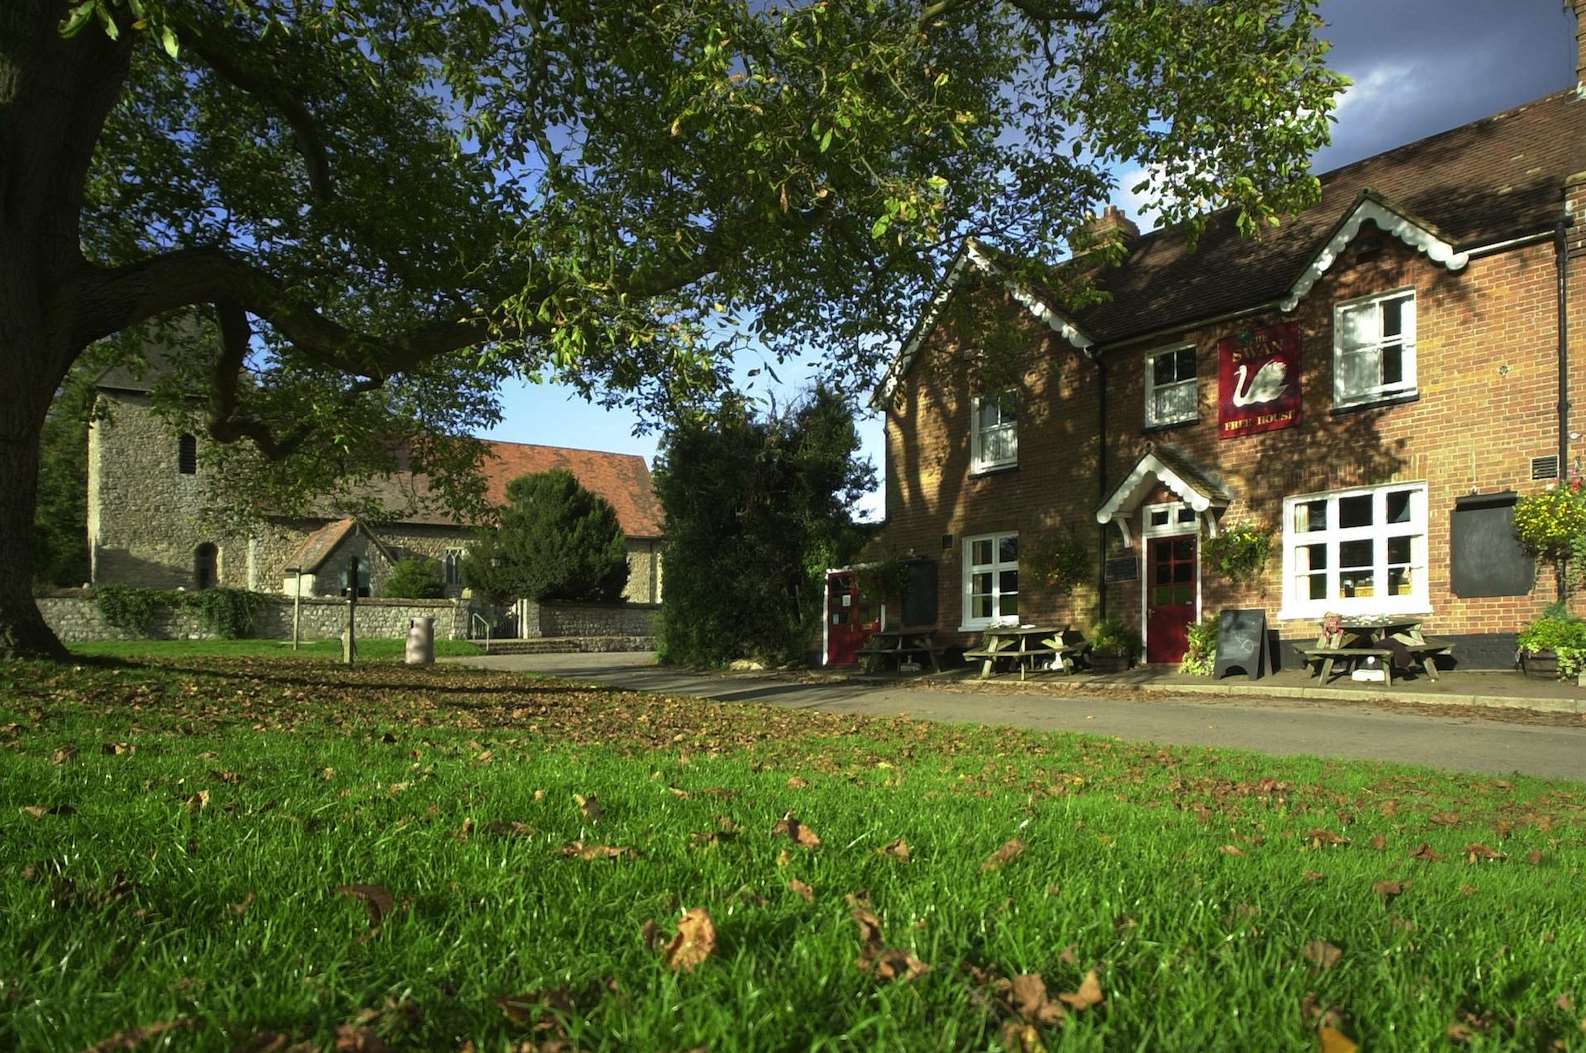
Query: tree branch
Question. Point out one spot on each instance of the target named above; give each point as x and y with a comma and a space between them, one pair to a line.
224, 57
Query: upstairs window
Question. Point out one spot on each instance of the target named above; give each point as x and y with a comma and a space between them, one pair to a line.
1170, 392
991, 580
1374, 348
996, 431
186, 454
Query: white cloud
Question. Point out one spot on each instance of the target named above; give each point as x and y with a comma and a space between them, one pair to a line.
1388, 83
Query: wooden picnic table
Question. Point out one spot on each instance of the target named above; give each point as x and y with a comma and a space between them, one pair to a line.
1365, 637
1026, 646
899, 644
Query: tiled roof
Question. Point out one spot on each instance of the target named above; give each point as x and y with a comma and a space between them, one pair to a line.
317, 547
1477, 184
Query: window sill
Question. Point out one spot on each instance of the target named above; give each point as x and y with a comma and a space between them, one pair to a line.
993, 469
1172, 425
1400, 399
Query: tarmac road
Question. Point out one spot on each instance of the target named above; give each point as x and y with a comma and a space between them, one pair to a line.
1350, 730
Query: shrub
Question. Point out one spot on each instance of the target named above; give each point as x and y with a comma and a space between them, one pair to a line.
1560, 632
1551, 526
1238, 553
556, 541
1112, 637
228, 613
415, 578
133, 609
1201, 656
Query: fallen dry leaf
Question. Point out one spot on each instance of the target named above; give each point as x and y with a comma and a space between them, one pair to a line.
538, 1009
1088, 995
1476, 852
588, 853
650, 933
117, 749
1379, 844
1231, 850
1316, 1015
63, 755
1468, 890
898, 850
796, 831
1030, 999
590, 806
695, 941
1021, 1037
796, 783
1445, 819
1534, 857
1004, 855
1332, 1040
134, 1037
1389, 890
350, 1038
39, 811
539, 795
1321, 954
241, 908
1320, 838
199, 801
376, 899
466, 830
802, 889
1426, 853
1314, 876
328, 774
506, 828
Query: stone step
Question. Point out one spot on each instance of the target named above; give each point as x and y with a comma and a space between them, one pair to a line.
568, 644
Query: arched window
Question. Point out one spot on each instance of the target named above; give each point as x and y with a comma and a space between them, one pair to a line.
187, 455
204, 566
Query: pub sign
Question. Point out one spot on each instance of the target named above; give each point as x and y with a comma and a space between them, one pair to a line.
1258, 380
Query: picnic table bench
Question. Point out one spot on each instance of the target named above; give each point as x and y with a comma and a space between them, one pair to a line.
899, 645
1367, 638
1026, 646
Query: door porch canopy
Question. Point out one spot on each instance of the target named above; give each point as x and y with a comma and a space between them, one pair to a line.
1161, 465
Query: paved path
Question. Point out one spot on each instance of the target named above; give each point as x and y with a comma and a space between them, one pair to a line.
1353, 730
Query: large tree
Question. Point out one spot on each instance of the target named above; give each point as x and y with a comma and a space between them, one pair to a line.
379, 208
555, 540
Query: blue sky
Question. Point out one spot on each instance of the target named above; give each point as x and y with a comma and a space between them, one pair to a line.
1418, 66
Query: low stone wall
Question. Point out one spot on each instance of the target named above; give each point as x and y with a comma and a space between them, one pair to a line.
76, 617
589, 619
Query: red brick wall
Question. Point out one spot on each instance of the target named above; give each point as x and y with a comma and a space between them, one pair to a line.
1487, 377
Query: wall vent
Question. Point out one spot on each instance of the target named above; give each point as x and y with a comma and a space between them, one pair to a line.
1544, 467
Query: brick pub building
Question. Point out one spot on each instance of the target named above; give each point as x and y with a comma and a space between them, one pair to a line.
1374, 383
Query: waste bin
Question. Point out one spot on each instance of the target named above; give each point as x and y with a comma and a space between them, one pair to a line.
421, 641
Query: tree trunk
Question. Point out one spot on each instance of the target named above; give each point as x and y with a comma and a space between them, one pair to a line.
23, 633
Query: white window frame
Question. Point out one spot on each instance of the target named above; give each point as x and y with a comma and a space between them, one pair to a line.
1152, 420
1405, 341
452, 566
995, 568
978, 461
1298, 604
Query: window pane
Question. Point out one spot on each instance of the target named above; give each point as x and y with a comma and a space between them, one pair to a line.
1400, 581
1009, 605
1355, 554
980, 607
1159, 517
1186, 515
1007, 582
999, 445
1008, 404
1358, 327
1392, 364
1317, 586
1174, 403
1398, 550
1355, 584
990, 417
1359, 372
1164, 573
1390, 318
1186, 363
1310, 558
1183, 572
1310, 516
982, 554
1355, 511
1162, 369
982, 585
1184, 548
1008, 548
1399, 506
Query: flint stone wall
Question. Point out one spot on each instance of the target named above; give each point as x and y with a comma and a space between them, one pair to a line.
76, 617
589, 619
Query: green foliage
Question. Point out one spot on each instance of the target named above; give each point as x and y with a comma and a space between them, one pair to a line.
134, 609
228, 613
885, 579
1238, 553
60, 519
1059, 560
555, 541
415, 578
1114, 637
756, 509
1551, 525
1561, 632
1201, 655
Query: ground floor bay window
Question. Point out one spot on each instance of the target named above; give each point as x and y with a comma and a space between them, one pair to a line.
1359, 552
991, 580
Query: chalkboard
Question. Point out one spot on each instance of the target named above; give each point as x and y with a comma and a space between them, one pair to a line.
1486, 556
1123, 568
1242, 644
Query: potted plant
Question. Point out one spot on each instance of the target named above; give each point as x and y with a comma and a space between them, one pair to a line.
1553, 646
1238, 553
1551, 525
1200, 657
1114, 645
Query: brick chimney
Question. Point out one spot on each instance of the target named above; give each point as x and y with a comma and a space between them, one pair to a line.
1580, 47
1110, 224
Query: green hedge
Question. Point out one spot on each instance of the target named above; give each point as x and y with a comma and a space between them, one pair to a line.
228, 613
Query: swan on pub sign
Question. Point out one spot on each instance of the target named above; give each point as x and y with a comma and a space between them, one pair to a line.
1266, 386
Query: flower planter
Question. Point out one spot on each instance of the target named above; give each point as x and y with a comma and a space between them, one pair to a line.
1109, 663
1539, 665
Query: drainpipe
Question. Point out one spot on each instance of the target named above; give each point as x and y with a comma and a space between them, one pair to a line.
1561, 247
1101, 481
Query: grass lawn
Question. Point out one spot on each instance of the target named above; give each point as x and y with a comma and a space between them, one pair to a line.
252, 854
368, 649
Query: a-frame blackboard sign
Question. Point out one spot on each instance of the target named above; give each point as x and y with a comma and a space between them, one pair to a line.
1242, 644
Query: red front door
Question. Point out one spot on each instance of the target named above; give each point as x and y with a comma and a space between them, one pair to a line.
849, 618
1169, 597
